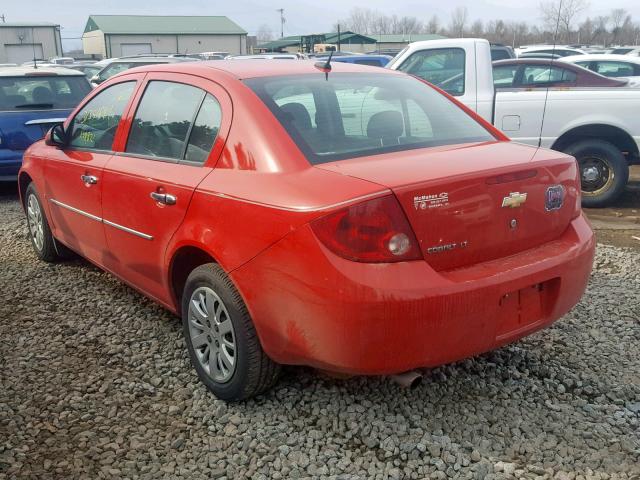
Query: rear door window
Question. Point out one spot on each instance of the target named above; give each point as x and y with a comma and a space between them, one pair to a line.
443, 67
539, 75
504, 76
175, 121
205, 131
95, 125
614, 69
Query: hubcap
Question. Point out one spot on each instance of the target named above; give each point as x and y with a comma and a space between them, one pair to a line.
597, 176
212, 334
35, 219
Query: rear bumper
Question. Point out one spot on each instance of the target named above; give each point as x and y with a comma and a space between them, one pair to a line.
311, 307
10, 163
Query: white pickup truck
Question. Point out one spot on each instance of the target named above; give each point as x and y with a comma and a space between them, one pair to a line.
600, 127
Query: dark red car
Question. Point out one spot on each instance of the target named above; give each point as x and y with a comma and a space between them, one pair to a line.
544, 73
355, 219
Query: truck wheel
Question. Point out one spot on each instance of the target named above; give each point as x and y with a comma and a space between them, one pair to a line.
603, 171
222, 341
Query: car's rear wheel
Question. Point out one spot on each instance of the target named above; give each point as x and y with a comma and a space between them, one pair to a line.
604, 171
221, 339
39, 231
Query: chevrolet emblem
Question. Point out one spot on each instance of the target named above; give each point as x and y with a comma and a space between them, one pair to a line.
514, 200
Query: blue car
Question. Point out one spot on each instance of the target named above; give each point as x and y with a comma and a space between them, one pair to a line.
31, 101
374, 60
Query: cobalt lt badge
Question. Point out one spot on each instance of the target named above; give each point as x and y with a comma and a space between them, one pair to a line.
554, 198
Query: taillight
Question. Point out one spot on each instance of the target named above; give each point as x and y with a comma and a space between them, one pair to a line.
375, 231
577, 210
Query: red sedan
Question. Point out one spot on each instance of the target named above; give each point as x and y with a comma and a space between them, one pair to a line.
353, 219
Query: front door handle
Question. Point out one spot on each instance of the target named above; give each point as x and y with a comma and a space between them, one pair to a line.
164, 198
89, 179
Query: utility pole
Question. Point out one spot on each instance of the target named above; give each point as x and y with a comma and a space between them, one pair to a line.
338, 38
282, 20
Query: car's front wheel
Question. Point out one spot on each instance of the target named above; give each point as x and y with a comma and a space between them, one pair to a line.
39, 231
221, 338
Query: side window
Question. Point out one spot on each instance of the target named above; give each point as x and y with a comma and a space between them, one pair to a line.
444, 67
503, 76
94, 127
205, 130
163, 120
541, 76
615, 69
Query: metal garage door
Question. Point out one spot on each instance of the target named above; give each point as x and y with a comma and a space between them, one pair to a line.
24, 52
135, 48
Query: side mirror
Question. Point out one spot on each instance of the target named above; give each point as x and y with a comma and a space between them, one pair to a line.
96, 79
56, 136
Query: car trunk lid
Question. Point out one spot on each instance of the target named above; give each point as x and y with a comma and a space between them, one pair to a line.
473, 203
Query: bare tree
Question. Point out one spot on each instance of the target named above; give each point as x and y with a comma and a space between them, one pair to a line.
477, 29
434, 25
459, 19
264, 33
618, 18
564, 14
361, 20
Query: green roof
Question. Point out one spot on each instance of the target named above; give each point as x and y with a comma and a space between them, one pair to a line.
406, 38
281, 43
159, 25
348, 37
345, 37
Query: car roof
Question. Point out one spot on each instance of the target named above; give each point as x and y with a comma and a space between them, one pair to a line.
151, 59
241, 69
537, 61
40, 71
603, 56
372, 56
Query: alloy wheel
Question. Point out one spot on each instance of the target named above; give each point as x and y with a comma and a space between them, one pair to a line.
35, 220
212, 335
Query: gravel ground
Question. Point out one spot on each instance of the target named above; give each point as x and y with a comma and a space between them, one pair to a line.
95, 383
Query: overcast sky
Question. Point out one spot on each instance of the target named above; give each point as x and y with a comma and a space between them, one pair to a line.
302, 16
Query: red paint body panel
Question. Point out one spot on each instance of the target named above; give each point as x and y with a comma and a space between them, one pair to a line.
249, 207
344, 316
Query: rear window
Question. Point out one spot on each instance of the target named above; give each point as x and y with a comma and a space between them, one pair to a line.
499, 54
353, 115
42, 92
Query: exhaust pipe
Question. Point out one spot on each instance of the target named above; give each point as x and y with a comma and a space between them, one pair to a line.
408, 380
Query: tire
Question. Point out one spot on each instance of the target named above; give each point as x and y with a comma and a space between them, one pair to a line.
39, 232
594, 157
231, 374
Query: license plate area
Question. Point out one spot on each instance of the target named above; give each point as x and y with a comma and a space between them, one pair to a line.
523, 308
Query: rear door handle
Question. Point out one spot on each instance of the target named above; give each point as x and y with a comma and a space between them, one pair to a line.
89, 179
164, 198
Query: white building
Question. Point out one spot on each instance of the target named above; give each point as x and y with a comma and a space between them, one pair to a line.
119, 35
21, 42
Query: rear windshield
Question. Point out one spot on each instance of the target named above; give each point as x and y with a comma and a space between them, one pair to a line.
41, 92
353, 115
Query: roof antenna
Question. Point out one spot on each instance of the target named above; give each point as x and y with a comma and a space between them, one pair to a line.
325, 66
33, 47
553, 56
